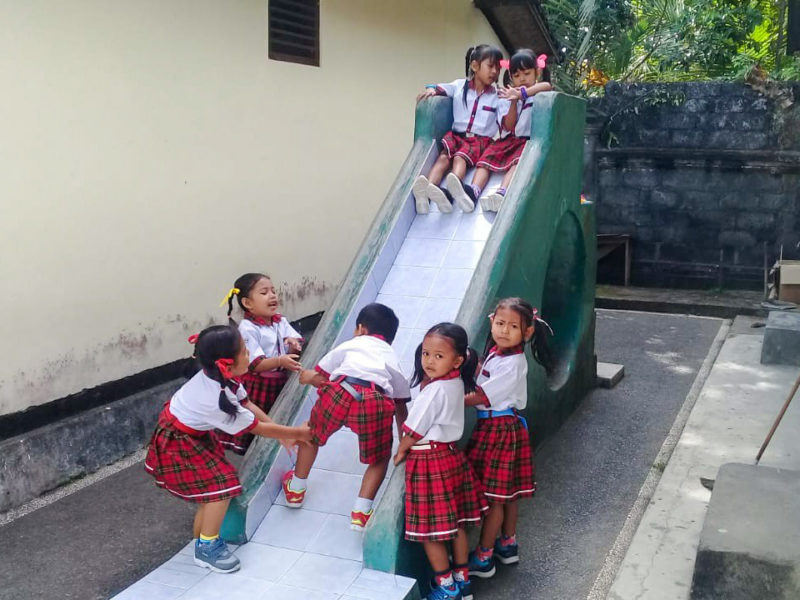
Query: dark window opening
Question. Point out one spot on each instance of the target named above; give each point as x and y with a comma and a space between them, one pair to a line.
294, 31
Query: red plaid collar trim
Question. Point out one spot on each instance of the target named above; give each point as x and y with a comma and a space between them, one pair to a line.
451, 375
276, 318
518, 349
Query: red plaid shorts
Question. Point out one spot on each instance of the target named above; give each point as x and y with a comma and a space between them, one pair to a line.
192, 466
443, 494
468, 148
371, 418
500, 451
502, 154
261, 391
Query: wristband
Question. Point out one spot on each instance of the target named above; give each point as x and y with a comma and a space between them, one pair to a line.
432, 86
524, 93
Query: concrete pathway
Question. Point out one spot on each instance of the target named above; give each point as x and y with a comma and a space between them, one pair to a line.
730, 419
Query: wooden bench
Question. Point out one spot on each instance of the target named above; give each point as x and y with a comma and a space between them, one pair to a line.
608, 242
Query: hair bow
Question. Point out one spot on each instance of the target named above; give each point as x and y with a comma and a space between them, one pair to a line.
231, 293
541, 61
224, 365
192, 339
504, 63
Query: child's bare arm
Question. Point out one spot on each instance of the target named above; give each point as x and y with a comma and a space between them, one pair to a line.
283, 432
537, 88
400, 415
402, 450
260, 414
284, 361
312, 377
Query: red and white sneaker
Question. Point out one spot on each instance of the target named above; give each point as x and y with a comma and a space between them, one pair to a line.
293, 499
358, 519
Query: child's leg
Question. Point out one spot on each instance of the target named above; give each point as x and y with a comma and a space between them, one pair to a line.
210, 551
508, 176
460, 548
373, 477
491, 526
440, 167
480, 178
213, 514
459, 167
306, 455
437, 556
198, 521
510, 513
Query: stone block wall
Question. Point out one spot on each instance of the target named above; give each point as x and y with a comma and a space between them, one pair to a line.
705, 177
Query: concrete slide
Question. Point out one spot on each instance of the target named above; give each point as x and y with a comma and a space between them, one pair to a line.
429, 268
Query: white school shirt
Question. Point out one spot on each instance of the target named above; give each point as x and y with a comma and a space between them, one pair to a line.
266, 340
196, 405
524, 111
479, 115
371, 358
504, 380
437, 413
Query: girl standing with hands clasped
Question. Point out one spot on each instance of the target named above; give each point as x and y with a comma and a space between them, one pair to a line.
443, 494
184, 454
273, 344
499, 448
474, 125
525, 69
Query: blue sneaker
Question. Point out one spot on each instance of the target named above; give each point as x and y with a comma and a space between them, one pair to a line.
508, 555
465, 587
215, 556
481, 568
444, 592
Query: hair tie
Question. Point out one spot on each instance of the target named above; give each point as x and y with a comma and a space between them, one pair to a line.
192, 339
541, 61
505, 63
224, 365
231, 293
545, 323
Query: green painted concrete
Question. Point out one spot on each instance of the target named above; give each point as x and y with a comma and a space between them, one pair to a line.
542, 248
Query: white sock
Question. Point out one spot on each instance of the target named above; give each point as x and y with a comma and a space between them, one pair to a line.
363, 505
297, 484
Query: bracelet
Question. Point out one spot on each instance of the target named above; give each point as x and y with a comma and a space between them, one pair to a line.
524, 93
431, 86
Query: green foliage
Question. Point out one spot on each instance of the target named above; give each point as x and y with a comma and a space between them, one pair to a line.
666, 40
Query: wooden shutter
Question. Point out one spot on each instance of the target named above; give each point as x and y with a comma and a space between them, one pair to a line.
294, 31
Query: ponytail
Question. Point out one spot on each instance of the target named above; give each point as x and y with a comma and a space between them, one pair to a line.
468, 71
214, 347
468, 368
542, 332
241, 289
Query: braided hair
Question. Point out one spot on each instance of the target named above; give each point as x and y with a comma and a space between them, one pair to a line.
214, 343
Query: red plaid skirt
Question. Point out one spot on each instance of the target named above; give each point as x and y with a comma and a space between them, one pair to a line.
468, 148
371, 418
502, 154
261, 391
191, 466
500, 451
443, 494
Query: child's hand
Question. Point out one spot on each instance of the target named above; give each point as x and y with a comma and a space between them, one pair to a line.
427, 93
400, 456
473, 399
295, 345
304, 434
289, 362
307, 376
509, 93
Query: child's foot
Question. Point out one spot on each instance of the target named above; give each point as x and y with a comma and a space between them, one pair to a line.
483, 568
215, 556
465, 587
420, 191
508, 554
358, 520
294, 499
462, 194
444, 592
494, 201
438, 197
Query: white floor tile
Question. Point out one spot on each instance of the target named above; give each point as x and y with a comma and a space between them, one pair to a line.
324, 573
450, 283
145, 590
339, 454
407, 308
474, 226
184, 563
183, 579
376, 585
408, 281
422, 252
435, 225
261, 561
330, 492
287, 592
288, 527
335, 538
438, 310
403, 337
463, 254
230, 586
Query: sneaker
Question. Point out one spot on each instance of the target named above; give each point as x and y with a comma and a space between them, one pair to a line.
464, 195
438, 197
465, 587
444, 592
481, 568
215, 556
420, 191
358, 519
494, 201
508, 555
293, 499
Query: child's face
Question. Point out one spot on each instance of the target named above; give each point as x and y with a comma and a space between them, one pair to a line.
485, 71
507, 328
262, 300
242, 360
439, 357
526, 77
